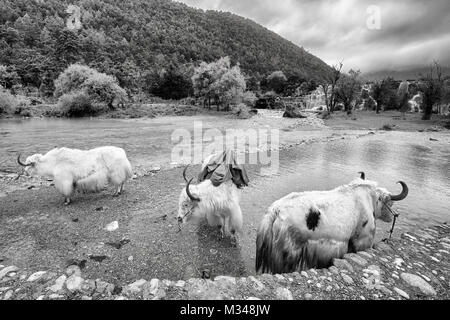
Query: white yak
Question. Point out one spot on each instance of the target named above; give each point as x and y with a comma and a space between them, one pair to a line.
218, 205
87, 171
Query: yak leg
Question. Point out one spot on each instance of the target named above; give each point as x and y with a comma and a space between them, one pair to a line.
364, 241
214, 220
235, 218
65, 185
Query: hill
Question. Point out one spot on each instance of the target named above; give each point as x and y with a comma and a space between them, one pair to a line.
138, 40
406, 74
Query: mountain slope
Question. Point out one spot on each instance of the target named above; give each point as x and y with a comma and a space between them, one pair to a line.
133, 39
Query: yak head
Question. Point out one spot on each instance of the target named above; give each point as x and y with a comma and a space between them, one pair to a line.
31, 164
385, 200
188, 204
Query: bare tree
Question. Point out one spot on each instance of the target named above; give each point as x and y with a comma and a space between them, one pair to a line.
329, 86
432, 88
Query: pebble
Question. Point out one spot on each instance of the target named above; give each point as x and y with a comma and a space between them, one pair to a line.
334, 270
356, 259
347, 278
73, 270
401, 293
113, 226
135, 287
36, 276
8, 295
303, 273
416, 281
343, 264
7, 270
284, 294
329, 288
74, 283
59, 284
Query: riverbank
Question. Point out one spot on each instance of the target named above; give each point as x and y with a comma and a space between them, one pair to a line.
146, 244
416, 266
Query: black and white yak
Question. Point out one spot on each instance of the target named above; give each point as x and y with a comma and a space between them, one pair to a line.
309, 229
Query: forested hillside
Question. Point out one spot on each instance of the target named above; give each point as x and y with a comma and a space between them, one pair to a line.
137, 41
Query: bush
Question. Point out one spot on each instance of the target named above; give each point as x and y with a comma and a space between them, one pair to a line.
104, 91
87, 91
242, 111
249, 99
72, 79
23, 107
76, 104
8, 102
387, 127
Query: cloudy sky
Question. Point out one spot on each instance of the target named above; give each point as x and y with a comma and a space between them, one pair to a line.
369, 35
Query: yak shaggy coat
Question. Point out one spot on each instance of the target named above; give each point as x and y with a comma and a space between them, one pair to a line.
87, 171
309, 229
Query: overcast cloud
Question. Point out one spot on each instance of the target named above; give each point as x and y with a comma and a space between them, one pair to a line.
413, 32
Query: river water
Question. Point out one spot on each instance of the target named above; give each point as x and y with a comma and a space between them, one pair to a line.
385, 157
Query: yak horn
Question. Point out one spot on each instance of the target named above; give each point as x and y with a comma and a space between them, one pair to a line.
189, 192
363, 175
184, 174
21, 163
402, 195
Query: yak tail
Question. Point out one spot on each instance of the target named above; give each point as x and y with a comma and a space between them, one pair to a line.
94, 183
264, 243
282, 248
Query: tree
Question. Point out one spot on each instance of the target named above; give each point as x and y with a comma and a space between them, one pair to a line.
8, 76
384, 93
329, 87
347, 89
102, 89
220, 81
173, 85
432, 88
276, 81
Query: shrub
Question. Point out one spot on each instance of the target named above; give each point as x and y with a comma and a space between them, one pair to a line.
103, 90
72, 79
242, 111
249, 98
8, 102
387, 127
23, 107
76, 104
87, 91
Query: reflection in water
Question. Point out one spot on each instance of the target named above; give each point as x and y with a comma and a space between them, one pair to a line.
374, 154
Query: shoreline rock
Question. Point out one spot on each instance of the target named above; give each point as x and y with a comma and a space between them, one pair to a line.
374, 274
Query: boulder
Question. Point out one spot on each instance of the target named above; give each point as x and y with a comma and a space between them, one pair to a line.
293, 111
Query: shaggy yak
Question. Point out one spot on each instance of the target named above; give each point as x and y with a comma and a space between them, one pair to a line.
87, 171
219, 205
309, 229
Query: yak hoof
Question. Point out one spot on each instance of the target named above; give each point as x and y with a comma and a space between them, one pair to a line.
67, 202
222, 232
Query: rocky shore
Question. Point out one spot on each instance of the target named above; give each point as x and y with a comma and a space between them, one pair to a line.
415, 266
